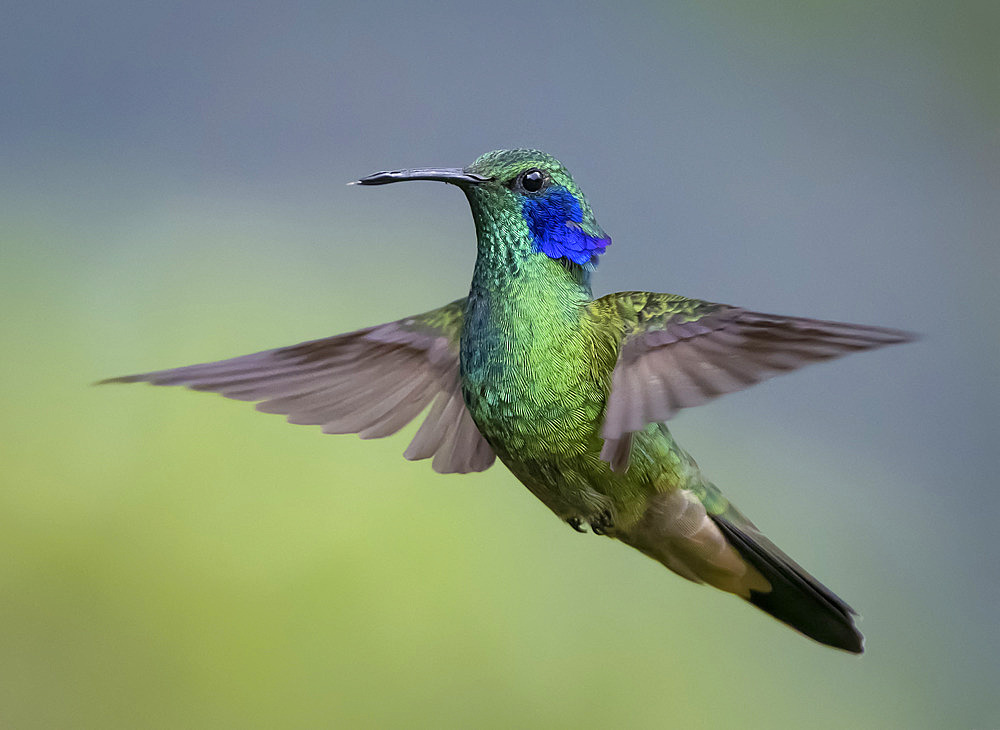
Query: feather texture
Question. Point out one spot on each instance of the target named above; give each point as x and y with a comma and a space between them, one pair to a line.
677, 353
371, 382
529, 365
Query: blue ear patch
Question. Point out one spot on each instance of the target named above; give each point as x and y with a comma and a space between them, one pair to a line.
555, 222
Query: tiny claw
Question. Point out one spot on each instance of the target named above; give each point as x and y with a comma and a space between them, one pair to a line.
576, 523
602, 523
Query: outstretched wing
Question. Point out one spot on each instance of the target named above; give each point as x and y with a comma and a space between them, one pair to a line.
371, 382
677, 352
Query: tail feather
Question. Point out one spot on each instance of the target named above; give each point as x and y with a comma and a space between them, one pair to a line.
796, 598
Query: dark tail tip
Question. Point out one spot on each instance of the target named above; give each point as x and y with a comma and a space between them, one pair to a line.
796, 598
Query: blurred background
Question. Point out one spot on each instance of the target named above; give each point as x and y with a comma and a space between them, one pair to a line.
172, 191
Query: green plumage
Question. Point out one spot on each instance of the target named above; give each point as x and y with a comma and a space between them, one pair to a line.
571, 393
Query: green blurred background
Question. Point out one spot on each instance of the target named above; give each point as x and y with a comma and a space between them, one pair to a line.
172, 191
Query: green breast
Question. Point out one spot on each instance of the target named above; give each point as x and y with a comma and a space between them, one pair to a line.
529, 374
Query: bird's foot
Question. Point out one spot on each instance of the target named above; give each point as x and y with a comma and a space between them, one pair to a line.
576, 523
602, 523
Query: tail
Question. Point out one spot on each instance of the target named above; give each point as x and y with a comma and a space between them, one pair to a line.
796, 598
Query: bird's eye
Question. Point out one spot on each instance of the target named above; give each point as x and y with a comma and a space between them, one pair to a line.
532, 180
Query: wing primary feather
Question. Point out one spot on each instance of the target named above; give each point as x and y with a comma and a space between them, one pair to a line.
405, 412
449, 421
371, 382
428, 437
676, 353
361, 416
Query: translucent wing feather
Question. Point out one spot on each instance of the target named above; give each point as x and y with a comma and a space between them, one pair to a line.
676, 353
371, 382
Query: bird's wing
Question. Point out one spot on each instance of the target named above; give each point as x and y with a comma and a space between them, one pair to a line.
371, 382
676, 353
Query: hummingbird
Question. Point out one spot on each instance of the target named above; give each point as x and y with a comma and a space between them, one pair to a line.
571, 393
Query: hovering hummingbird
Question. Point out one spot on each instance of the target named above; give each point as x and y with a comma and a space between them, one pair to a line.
570, 392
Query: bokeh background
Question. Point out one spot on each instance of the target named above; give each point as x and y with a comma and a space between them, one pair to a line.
172, 191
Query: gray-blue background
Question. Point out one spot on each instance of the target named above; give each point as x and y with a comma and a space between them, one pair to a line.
171, 191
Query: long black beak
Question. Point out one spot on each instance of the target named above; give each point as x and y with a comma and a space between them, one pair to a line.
453, 175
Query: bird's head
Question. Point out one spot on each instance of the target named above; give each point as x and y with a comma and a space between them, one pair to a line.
522, 199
